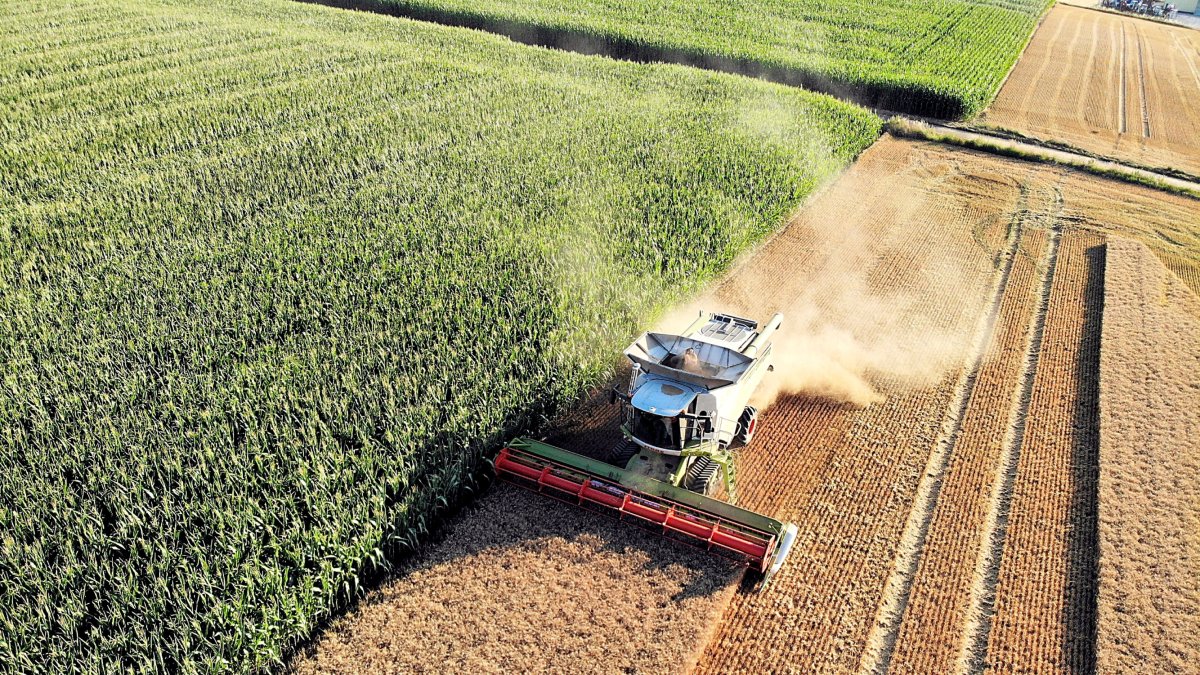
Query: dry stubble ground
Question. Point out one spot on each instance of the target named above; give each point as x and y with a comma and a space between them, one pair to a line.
848, 476
1112, 85
854, 473
1045, 607
906, 223
1149, 603
939, 600
521, 582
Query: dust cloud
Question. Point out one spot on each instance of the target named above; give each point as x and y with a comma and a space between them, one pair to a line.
875, 302
852, 335
855, 360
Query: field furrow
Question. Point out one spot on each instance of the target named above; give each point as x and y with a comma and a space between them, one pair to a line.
1145, 108
1107, 84
931, 633
1044, 610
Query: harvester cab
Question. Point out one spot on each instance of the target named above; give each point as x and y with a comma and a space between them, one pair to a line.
684, 414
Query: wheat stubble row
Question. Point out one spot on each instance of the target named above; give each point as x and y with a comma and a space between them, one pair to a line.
1108, 84
1044, 598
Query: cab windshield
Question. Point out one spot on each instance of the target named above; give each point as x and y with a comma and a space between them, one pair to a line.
659, 431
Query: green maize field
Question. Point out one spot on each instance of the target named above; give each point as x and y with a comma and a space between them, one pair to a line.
275, 279
944, 58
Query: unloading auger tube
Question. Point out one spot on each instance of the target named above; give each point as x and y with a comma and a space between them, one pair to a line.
750, 538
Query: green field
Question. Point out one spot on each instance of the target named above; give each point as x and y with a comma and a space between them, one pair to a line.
274, 279
945, 58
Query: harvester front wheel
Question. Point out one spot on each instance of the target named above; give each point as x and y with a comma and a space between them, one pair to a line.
625, 451
702, 476
747, 425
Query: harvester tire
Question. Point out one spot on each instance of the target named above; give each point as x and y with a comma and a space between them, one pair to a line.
701, 476
747, 425
620, 455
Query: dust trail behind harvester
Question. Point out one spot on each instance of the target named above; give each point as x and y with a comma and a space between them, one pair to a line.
865, 297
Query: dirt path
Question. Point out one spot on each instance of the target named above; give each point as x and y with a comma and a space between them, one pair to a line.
1108, 84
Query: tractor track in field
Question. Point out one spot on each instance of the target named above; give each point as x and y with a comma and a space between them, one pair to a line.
987, 569
1142, 85
882, 641
1122, 114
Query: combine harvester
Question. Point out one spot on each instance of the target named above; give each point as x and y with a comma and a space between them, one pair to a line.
686, 410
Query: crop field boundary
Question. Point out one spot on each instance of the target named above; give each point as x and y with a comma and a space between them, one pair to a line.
987, 569
1021, 54
875, 96
881, 642
997, 144
1003, 133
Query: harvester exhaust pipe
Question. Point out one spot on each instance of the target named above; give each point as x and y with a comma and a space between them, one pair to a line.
765, 336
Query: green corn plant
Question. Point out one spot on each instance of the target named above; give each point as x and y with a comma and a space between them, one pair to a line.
275, 280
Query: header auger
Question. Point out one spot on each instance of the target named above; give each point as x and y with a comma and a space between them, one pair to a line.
685, 413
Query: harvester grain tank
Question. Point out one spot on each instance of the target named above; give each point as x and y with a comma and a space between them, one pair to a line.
685, 415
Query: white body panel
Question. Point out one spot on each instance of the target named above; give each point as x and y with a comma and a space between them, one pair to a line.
712, 371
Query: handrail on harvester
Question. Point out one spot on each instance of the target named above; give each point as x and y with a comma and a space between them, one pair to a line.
761, 542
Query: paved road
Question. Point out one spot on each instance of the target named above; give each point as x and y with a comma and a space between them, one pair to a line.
1188, 20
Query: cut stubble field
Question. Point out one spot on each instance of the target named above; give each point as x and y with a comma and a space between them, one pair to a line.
521, 581
959, 511
1149, 515
1111, 85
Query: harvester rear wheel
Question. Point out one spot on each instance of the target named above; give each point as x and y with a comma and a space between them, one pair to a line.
701, 476
622, 453
747, 425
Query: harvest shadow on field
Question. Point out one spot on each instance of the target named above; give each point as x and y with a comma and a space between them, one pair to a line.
898, 97
1083, 553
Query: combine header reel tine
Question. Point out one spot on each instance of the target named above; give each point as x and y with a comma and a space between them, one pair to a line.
755, 540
